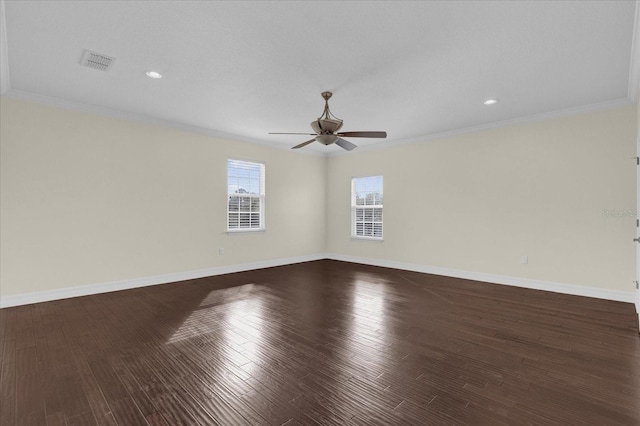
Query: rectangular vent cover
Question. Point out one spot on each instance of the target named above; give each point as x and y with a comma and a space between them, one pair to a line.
97, 61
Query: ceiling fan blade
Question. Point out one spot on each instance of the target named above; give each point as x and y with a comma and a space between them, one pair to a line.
363, 134
345, 144
303, 144
310, 134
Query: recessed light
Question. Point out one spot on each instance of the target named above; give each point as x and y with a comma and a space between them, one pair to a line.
491, 101
153, 74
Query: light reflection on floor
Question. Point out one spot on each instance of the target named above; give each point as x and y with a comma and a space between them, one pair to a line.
368, 306
220, 307
234, 318
369, 321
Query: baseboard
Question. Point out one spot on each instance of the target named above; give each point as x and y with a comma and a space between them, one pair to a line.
86, 290
65, 293
621, 296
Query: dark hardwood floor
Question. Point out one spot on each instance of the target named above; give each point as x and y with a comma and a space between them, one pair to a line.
322, 342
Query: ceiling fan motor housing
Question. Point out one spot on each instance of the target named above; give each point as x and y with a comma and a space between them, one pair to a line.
326, 126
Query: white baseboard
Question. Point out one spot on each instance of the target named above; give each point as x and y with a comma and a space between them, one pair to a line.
65, 293
85, 290
599, 293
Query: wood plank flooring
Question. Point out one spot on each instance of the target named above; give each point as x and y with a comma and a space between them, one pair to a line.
321, 343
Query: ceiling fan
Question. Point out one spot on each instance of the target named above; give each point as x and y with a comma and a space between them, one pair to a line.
326, 126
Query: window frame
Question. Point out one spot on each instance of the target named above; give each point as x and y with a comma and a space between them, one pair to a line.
260, 196
355, 207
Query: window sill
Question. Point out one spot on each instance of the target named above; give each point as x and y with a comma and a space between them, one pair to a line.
245, 231
373, 239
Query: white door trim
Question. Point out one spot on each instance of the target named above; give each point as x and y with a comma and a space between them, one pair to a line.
637, 233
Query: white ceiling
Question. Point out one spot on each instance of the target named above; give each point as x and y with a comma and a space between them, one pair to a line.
243, 69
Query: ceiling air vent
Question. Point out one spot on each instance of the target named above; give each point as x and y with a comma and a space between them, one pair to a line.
97, 61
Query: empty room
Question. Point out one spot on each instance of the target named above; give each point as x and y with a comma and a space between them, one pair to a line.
319, 213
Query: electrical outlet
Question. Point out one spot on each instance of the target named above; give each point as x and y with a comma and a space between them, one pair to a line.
221, 251
524, 260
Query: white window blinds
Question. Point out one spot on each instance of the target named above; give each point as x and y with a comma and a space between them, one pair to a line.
366, 207
245, 195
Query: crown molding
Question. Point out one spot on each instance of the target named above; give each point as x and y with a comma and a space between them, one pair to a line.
5, 83
634, 67
140, 118
567, 112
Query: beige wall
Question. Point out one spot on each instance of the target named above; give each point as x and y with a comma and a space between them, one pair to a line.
89, 199
479, 201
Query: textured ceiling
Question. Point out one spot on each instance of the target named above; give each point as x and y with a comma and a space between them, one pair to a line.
243, 69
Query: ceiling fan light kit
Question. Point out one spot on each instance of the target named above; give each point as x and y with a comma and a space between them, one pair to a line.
326, 126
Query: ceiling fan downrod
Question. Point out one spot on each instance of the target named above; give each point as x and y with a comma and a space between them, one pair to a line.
326, 114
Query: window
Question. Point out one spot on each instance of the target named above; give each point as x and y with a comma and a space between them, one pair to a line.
366, 207
245, 191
